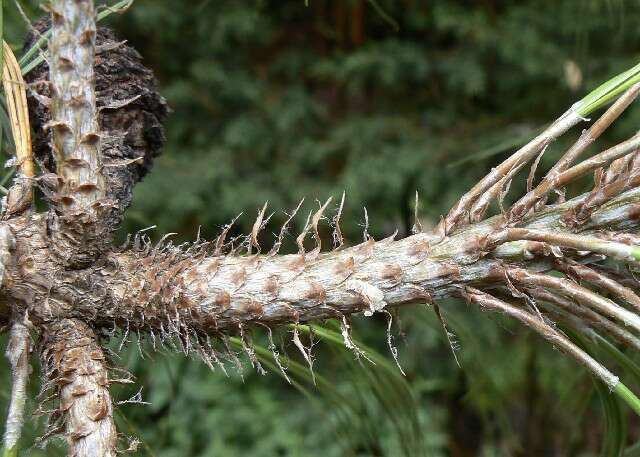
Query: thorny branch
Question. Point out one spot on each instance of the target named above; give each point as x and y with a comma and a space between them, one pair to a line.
535, 262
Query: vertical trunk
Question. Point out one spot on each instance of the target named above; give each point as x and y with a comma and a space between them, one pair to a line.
75, 364
80, 197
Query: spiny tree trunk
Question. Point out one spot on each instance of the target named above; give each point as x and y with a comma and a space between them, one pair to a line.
75, 364
63, 277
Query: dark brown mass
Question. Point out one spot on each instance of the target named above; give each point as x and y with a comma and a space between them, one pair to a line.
131, 111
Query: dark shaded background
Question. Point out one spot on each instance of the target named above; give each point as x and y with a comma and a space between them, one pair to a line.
275, 100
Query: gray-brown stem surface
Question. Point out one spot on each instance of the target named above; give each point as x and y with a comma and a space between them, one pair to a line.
75, 364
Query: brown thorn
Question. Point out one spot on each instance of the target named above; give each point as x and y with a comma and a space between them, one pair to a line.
392, 348
314, 221
220, 239
257, 226
338, 239
417, 225
283, 230
502, 194
534, 167
303, 234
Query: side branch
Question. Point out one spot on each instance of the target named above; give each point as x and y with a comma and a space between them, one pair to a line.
73, 108
169, 291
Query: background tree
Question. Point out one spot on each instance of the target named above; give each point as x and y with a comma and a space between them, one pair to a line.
389, 94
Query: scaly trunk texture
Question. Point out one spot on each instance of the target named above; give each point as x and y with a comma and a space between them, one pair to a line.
74, 363
72, 358
80, 200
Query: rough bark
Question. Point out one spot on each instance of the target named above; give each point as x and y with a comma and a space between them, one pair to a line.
80, 197
176, 291
104, 127
74, 363
130, 113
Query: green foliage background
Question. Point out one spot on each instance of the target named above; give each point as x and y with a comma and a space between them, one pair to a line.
275, 100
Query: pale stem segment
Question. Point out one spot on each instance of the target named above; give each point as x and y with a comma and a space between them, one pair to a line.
615, 250
593, 133
80, 202
584, 315
459, 213
576, 292
556, 181
18, 351
73, 105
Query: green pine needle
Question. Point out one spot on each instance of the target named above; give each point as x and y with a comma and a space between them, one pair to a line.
608, 91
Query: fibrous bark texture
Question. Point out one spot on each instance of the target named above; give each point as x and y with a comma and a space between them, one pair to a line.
160, 287
75, 365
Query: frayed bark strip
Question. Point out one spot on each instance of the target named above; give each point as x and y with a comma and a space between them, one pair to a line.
392, 348
451, 337
460, 210
556, 338
338, 238
576, 292
276, 354
18, 352
306, 353
549, 183
349, 343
